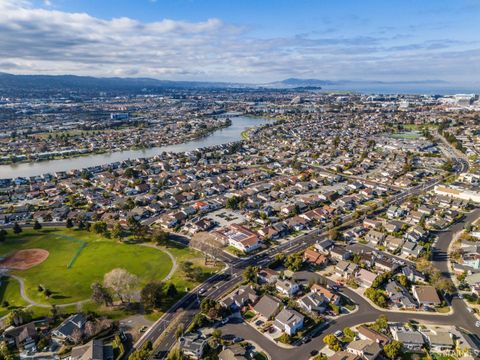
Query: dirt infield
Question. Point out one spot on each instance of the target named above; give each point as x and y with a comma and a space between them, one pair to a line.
24, 259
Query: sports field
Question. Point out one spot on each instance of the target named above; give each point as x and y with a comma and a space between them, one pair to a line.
75, 260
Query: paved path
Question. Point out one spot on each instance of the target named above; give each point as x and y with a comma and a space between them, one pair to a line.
31, 302
174, 261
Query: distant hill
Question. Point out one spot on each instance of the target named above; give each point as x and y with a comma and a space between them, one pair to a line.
13, 85
62, 83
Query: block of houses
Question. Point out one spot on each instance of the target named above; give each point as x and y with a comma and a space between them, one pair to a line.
289, 321
426, 295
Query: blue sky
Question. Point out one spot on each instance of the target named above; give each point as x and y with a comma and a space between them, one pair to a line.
244, 40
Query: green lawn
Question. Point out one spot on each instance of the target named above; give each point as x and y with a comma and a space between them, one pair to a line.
10, 291
97, 258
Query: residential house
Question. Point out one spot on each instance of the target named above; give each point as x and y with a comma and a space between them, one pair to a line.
340, 253
375, 237
287, 287
365, 278
240, 237
366, 349
312, 302
426, 295
193, 345
314, 258
70, 325
233, 352
93, 350
267, 307
345, 269
268, 276
370, 334
439, 341
289, 321
411, 340
240, 297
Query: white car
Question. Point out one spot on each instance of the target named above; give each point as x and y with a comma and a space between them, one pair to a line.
477, 324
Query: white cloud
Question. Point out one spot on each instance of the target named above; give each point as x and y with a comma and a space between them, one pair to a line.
46, 40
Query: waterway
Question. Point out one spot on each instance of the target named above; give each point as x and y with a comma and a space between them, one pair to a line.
218, 137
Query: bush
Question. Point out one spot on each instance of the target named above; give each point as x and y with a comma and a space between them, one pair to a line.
284, 338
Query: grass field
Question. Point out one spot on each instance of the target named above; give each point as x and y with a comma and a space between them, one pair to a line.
99, 256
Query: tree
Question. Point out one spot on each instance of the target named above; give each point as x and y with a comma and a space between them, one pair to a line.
3, 235
333, 234
250, 274
217, 333
37, 225
117, 231
381, 324
179, 331
160, 237
90, 329
121, 282
54, 311
187, 268
294, 262
152, 295
332, 342
446, 285
99, 227
19, 317
5, 352
17, 228
393, 349
403, 280
100, 295
349, 333
175, 354
69, 224
144, 353
171, 291
47, 293
233, 203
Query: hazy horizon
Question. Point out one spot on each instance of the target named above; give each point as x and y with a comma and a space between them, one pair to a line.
244, 42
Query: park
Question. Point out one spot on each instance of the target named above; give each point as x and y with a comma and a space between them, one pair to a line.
59, 265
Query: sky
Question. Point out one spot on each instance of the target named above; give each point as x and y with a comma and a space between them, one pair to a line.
254, 41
